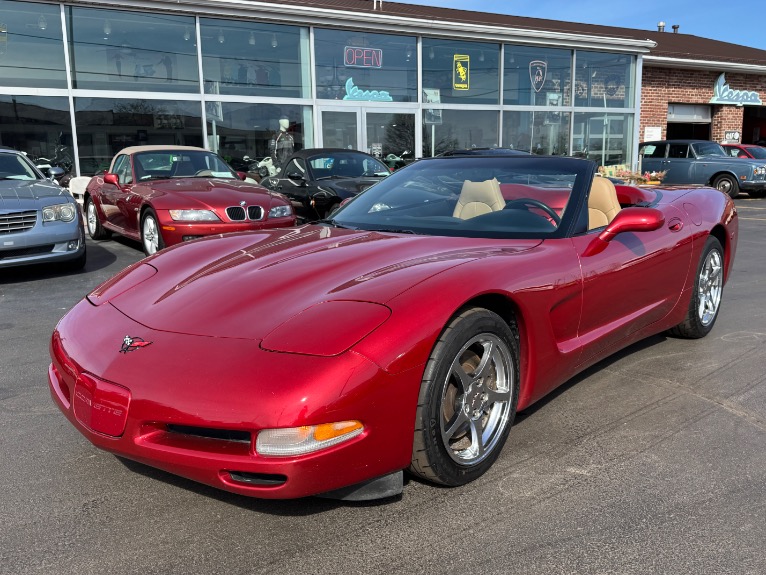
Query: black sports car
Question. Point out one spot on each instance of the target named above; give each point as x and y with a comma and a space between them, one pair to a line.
318, 180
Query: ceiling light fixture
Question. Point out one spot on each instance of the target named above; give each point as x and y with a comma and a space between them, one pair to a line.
274, 42
107, 27
187, 34
221, 37
251, 39
42, 23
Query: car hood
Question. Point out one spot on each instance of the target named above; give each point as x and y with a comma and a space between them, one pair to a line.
27, 194
207, 192
247, 284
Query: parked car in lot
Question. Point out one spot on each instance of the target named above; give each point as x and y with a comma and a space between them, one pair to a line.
39, 221
318, 180
163, 195
704, 162
745, 151
403, 334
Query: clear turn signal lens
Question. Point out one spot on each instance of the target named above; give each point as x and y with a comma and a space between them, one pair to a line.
293, 441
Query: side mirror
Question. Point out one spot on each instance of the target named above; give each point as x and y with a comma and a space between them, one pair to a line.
55, 172
634, 220
242, 176
110, 178
296, 177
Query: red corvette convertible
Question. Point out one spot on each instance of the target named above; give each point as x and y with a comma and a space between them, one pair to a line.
163, 195
402, 334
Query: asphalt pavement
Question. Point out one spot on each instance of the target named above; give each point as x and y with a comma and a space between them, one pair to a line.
653, 461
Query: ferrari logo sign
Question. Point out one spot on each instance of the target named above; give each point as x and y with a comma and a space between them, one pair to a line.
461, 71
537, 71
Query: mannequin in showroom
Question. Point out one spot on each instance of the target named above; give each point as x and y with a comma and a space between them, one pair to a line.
282, 144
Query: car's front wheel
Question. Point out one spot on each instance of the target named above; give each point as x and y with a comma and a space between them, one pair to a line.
95, 229
151, 238
467, 399
727, 184
707, 295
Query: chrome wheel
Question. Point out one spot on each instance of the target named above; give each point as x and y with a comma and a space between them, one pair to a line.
476, 399
150, 235
92, 219
710, 287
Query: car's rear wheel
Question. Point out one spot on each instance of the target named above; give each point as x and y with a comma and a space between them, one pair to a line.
727, 184
95, 229
151, 238
707, 294
467, 399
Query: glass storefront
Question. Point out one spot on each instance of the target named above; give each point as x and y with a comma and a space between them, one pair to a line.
31, 45
365, 67
253, 89
458, 129
461, 72
114, 50
107, 125
39, 125
251, 59
246, 133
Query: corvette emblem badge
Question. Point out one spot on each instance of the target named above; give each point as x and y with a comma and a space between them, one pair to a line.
133, 343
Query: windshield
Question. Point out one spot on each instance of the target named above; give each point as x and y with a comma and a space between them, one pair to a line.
708, 149
757, 152
180, 164
492, 197
15, 167
346, 165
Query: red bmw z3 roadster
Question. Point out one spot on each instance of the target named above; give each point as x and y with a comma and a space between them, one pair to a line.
402, 335
163, 195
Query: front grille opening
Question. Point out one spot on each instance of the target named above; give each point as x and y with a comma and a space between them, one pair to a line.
236, 213
255, 212
258, 479
22, 252
211, 433
12, 222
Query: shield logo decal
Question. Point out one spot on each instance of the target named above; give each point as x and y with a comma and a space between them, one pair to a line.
537, 71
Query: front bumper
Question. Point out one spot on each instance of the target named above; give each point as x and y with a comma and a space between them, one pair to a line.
49, 242
175, 232
752, 185
193, 405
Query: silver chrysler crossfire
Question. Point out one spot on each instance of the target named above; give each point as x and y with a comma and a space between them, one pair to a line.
40, 222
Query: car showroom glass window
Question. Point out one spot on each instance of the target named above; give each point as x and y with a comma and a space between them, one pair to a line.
365, 67
255, 59
538, 132
51, 138
107, 125
445, 130
116, 50
604, 137
31, 45
537, 76
461, 72
424, 197
604, 80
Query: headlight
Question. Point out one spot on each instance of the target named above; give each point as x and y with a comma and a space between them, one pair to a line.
760, 170
62, 212
292, 441
193, 216
280, 211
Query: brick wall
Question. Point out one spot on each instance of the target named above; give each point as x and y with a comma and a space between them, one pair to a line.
663, 86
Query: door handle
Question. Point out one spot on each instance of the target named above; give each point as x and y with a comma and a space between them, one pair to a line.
675, 224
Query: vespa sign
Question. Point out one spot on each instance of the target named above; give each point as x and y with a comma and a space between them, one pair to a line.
723, 94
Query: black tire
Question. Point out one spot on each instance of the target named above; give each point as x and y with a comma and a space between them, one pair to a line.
446, 446
727, 184
95, 230
151, 236
707, 295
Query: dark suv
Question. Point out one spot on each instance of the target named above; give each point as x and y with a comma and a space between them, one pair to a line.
704, 162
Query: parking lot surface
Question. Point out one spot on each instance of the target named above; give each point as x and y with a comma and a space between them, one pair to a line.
653, 461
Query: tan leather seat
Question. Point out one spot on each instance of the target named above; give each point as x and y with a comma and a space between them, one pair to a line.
477, 198
602, 203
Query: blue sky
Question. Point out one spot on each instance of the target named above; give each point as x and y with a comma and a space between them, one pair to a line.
726, 21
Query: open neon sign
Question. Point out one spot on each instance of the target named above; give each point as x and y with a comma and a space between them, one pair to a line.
356, 57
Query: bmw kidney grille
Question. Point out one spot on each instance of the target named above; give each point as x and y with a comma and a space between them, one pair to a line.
240, 213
